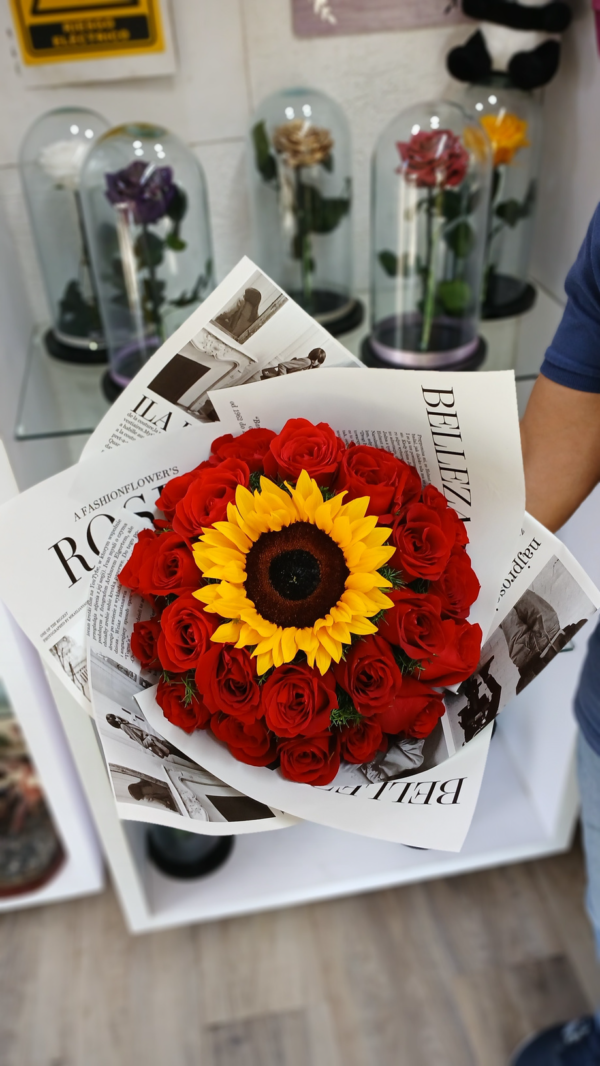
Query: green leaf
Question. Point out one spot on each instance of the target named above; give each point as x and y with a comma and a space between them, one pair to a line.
452, 204
406, 664
174, 242
389, 262
266, 163
327, 163
178, 206
455, 296
149, 249
320, 214
510, 212
345, 712
460, 238
395, 576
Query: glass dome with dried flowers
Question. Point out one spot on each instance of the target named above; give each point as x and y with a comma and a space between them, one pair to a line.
431, 181
146, 214
302, 202
52, 156
512, 121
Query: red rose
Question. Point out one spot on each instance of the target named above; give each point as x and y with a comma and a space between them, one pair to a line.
416, 708
458, 587
206, 499
424, 538
432, 497
167, 567
459, 656
186, 630
143, 642
226, 679
312, 760
414, 623
433, 158
298, 701
250, 446
145, 547
248, 742
302, 446
190, 715
370, 675
389, 482
175, 490
362, 740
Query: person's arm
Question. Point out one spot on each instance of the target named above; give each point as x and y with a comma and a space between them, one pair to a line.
560, 434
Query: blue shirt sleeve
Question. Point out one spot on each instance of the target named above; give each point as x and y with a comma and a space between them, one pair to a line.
573, 358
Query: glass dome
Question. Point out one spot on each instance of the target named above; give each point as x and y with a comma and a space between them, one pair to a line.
51, 160
512, 120
430, 188
146, 214
300, 163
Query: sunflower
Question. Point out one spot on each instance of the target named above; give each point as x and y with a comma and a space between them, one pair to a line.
293, 572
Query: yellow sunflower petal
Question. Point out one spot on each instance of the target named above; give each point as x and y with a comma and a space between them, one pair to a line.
228, 633
289, 646
234, 534
323, 660
264, 662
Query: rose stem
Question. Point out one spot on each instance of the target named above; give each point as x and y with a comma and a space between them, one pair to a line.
85, 258
432, 242
153, 286
305, 242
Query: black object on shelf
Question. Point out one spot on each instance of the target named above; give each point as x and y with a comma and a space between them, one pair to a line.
335, 313
472, 362
83, 355
180, 854
110, 390
507, 297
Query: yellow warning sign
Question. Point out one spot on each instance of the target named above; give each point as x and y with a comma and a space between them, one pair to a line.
58, 30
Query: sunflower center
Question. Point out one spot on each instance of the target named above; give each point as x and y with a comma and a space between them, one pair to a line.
295, 575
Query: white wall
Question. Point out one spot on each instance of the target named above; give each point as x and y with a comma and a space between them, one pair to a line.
233, 52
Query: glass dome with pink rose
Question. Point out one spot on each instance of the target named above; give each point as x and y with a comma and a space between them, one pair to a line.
430, 187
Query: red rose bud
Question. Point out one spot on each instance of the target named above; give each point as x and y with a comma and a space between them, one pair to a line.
298, 701
171, 698
248, 742
185, 635
250, 446
174, 491
389, 482
302, 446
206, 499
414, 623
433, 159
226, 679
311, 760
417, 703
423, 538
145, 547
458, 587
370, 675
167, 567
143, 642
459, 657
432, 497
362, 740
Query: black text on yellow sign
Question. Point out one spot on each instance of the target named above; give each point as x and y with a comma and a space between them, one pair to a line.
58, 30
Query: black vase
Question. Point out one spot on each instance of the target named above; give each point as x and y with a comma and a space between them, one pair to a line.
178, 853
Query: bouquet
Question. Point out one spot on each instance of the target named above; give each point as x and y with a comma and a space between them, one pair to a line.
310, 599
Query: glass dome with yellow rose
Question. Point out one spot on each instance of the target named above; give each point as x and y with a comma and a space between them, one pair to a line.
430, 187
512, 121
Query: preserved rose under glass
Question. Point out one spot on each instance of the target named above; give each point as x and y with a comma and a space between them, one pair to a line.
302, 202
146, 214
51, 161
431, 181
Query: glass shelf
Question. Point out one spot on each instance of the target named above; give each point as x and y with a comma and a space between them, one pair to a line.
58, 399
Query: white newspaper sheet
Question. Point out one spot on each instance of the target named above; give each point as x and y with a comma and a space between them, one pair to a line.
461, 431
246, 330
52, 535
152, 779
545, 599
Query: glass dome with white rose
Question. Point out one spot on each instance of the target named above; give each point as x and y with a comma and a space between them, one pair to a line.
52, 155
430, 188
146, 214
300, 165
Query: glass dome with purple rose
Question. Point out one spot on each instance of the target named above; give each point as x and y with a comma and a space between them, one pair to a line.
431, 183
146, 212
52, 156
